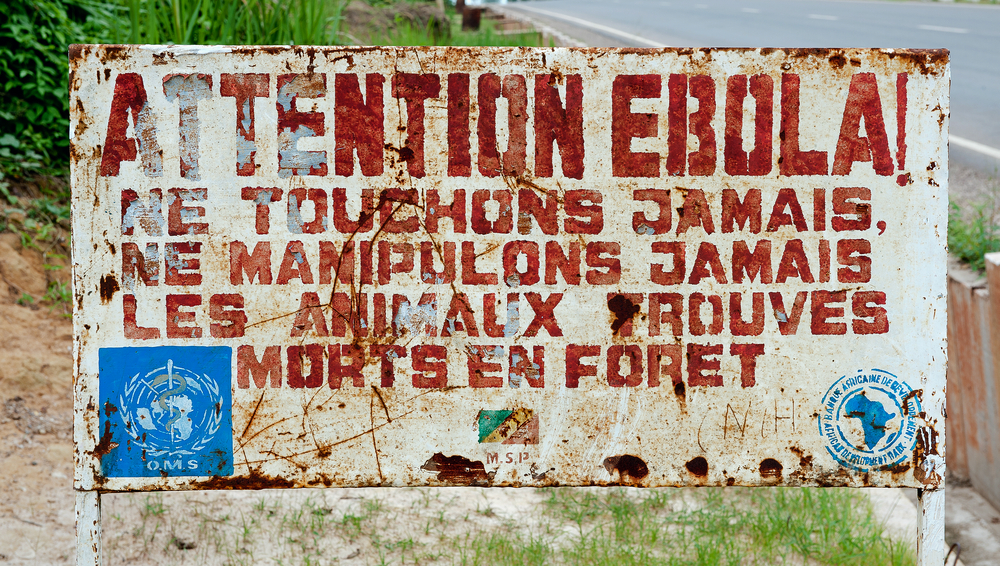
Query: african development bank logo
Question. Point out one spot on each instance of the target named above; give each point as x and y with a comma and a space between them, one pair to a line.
169, 410
869, 420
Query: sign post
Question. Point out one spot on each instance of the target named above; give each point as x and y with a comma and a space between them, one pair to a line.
327, 267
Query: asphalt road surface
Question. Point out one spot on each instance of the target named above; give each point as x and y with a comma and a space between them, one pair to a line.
971, 32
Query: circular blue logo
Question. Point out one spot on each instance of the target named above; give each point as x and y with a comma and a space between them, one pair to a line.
171, 410
869, 420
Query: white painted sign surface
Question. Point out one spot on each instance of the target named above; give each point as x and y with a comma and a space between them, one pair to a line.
417, 266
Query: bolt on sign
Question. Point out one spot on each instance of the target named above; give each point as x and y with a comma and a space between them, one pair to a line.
302, 267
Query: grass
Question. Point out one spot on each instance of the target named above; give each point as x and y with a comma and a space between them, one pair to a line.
974, 230
487, 36
292, 22
724, 527
231, 22
974, 233
585, 526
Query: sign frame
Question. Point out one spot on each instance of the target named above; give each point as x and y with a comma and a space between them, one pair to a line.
125, 376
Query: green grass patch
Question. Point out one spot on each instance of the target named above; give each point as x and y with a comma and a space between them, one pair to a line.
974, 232
487, 35
560, 526
730, 527
230, 22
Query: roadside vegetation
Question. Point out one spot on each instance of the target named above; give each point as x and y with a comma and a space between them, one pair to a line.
561, 526
34, 190
34, 98
974, 230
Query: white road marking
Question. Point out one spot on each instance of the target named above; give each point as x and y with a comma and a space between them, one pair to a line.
592, 25
944, 29
750, 10
823, 17
975, 146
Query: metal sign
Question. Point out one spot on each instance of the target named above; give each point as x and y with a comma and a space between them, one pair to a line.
301, 267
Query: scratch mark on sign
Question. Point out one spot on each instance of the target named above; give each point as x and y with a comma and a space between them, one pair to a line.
371, 414
253, 415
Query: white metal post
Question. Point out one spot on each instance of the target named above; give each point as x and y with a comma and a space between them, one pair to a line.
930, 538
88, 528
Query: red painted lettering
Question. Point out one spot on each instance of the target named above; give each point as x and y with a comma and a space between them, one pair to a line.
176, 317
625, 126
235, 318
555, 123
359, 125
793, 160
748, 354
268, 368
415, 89
575, 368
822, 313
700, 362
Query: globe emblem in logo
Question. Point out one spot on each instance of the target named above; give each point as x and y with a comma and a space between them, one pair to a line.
171, 410
869, 420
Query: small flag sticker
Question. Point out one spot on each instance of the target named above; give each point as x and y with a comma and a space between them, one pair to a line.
516, 426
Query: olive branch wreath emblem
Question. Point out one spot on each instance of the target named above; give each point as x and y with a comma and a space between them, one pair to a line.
214, 420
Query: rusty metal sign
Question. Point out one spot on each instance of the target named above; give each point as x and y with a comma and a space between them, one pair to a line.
300, 267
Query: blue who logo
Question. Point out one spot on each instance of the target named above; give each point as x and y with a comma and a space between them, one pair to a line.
168, 409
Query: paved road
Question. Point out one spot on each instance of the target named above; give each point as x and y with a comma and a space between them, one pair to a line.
971, 32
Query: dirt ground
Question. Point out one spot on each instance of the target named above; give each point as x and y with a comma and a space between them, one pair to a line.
36, 407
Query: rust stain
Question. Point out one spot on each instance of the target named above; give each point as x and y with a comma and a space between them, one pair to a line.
254, 480
105, 445
918, 393
805, 460
457, 470
900, 468
925, 457
109, 286
698, 467
75, 53
623, 309
770, 469
630, 469
111, 53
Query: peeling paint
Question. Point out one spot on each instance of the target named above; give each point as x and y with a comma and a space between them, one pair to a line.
668, 267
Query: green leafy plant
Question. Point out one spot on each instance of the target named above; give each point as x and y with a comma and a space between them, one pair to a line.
34, 104
972, 236
59, 294
5, 192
